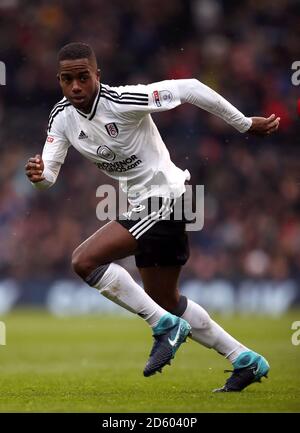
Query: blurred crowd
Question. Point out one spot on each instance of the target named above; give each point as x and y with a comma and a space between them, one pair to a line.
242, 49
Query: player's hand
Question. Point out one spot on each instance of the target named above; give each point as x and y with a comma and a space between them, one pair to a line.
34, 169
264, 125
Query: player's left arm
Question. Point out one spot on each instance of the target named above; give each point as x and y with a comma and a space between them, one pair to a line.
166, 95
197, 93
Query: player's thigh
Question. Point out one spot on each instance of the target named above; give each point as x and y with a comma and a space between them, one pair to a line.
161, 283
111, 242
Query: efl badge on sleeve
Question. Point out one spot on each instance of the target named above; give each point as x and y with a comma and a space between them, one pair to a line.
165, 96
112, 130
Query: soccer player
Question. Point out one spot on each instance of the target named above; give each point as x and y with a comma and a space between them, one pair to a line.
113, 128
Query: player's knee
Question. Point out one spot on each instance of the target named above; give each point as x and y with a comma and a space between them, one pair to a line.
81, 264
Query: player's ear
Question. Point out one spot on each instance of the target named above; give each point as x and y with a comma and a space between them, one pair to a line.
58, 77
98, 74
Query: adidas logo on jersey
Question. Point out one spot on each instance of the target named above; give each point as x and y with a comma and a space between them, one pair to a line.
82, 135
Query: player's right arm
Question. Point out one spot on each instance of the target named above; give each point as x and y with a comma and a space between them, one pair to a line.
42, 171
34, 169
42, 175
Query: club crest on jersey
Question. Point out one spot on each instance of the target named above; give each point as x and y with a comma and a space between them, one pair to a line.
106, 153
112, 130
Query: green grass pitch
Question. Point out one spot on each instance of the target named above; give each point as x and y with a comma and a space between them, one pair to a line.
95, 364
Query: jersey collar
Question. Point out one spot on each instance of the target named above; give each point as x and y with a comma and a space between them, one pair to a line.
92, 113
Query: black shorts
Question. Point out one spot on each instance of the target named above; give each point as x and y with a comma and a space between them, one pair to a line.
159, 226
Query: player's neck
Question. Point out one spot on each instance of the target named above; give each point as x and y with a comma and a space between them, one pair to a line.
88, 109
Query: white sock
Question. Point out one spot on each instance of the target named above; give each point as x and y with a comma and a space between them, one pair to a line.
117, 285
207, 332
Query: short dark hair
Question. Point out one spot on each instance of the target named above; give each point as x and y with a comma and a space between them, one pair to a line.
76, 50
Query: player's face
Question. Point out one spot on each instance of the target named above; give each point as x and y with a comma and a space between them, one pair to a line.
79, 80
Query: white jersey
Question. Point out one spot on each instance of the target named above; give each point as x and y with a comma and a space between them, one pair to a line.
120, 137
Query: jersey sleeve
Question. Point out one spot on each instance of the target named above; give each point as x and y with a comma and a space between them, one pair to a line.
50, 173
144, 99
162, 96
56, 144
197, 93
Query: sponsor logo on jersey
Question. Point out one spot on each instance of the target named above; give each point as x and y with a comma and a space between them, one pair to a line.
112, 130
106, 153
82, 135
156, 99
120, 166
50, 139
